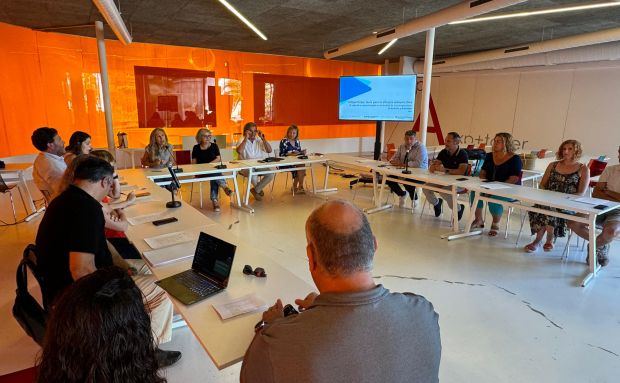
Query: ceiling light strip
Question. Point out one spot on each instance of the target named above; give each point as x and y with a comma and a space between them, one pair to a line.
539, 12
385, 48
242, 18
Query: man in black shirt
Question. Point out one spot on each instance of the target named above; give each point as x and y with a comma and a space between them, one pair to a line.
451, 160
71, 244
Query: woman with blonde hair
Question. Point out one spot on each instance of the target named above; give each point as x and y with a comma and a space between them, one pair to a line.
205, 152
291, 146
158, 153
566, 175
501, 165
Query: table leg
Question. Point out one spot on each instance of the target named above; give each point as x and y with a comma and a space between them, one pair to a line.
325, 188
312, 176
23, 186
470, 220
378, 207
247, 191
238, 205
593, 266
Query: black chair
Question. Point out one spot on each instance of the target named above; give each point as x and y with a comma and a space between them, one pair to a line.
27, 310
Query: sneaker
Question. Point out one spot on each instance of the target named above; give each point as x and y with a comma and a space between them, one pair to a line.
301, 191
601, 254
216, 205
166, 358
461, 210
402, 199
228, 191
438, 207
256, 194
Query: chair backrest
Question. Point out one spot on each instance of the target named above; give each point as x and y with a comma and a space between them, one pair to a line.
470, 146
183, 157
478, 167
3, 186
596, 167
482, 146
468, 171
541, 153
390, 147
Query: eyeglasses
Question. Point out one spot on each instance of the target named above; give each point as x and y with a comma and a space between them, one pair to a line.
259, 271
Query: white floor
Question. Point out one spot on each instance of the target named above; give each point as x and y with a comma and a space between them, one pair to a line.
505, 316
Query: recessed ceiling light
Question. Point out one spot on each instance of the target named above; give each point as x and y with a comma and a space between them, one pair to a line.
539, 12
387, 46
242, 18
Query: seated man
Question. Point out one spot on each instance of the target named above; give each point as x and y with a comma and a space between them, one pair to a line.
607, 187
451, 160
254, 146
416, 157
354, 330
71, 244
49, 166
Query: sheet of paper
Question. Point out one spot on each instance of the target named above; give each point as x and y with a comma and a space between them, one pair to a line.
170, 254
586, 200
494, 186
246, 304
144, 218
126, 188
170, 239
365, 161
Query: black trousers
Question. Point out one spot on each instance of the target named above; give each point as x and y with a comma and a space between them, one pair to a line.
395, 187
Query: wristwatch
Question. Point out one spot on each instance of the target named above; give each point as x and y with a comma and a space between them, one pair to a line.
259, 326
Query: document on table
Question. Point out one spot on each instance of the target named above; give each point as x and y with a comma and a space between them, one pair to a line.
365, 161
170, 239
494, 186
125, 188
246, 304
170, 254
586, 200
144, 218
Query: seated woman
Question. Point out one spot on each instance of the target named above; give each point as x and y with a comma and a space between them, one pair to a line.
205, 152
158, 153
501, 165
100, 331
79, 143
566, 175
290, 146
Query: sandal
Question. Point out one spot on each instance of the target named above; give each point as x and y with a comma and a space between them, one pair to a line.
532, 247
477, 225
548, 247
494, 230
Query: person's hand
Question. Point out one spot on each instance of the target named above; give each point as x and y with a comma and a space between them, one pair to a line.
303, 152
115, 216
274, 312
161, 162
131, 198
261, 135
394, 162
247, 134
305, 303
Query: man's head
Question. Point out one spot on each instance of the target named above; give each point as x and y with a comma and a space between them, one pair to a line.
340, 241
95, 176
47, 140
410, 138
249, 130
453, 139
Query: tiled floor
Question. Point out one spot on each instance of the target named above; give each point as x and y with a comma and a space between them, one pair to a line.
505, 316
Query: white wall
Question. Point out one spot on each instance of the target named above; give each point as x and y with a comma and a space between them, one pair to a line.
540, 106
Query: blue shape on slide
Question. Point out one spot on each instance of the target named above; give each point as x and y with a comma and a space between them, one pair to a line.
351, 87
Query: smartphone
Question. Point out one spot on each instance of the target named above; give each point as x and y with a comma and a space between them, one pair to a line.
462, 179
601, 207
164, 221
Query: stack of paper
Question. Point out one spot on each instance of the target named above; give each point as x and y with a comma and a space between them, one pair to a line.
246, 304
494, 186
170, 239
170, 254
144, 218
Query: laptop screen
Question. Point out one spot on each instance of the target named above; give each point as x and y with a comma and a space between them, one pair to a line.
214, 258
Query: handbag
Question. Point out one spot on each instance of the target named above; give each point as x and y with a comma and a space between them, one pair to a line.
26, 310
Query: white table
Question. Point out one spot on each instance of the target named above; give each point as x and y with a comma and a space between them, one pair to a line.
525, 198
256, 168
20, 169
225, 341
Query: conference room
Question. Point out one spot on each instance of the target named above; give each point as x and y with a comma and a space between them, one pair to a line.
477, 142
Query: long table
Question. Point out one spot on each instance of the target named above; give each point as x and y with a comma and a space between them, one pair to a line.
569, 207
224, 341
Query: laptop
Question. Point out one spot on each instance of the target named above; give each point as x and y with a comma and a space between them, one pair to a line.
209, 274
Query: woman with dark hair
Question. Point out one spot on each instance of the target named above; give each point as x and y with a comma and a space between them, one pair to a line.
290, 146
205, 152
99, 331
79, 143
158, 153
566, 175
501, 165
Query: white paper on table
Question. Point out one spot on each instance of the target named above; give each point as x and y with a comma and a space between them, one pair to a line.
246, 304
586, 200
365, 161
146, 198
169, 239
494, 186
170, 254
144, 218
125, 188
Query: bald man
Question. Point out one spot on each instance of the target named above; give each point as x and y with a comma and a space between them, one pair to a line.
353, 330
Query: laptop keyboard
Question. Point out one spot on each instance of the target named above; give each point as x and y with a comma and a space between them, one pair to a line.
196, 284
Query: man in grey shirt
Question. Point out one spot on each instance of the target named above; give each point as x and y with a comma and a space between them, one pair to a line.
353, 330
414, 153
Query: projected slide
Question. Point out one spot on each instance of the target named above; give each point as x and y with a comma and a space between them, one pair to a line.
377, 98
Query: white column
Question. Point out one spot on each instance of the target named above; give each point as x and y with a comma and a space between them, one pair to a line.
426, 85
105, 86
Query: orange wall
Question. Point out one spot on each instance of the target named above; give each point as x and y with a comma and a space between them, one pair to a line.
50, 79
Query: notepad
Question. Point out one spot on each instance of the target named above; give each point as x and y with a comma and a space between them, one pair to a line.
144, 218
495, 186
170, 254
169, 239
246, 304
